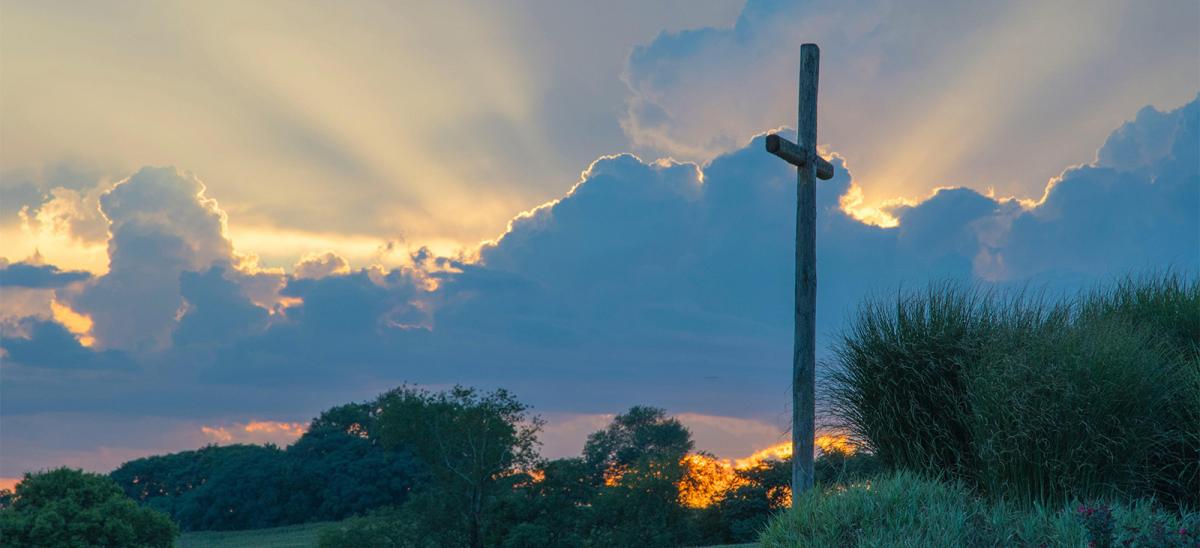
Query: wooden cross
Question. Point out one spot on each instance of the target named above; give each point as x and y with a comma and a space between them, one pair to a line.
808, 164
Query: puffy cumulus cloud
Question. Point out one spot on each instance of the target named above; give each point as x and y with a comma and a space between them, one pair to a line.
70, 213
215, 309
340, 327
26, 192
1135, 207
320, 265
161, 225
645, 275
648, 271
902, 84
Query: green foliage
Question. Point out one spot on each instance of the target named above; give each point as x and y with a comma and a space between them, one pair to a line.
639, 454
642, 509
636, 438
905, 509
65, 507
550, 513
219, 488
470, 442
336, 469
345, 467
743, 513
1018, 397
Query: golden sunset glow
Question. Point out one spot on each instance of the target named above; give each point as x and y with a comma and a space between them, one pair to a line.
78, 324
852, 204
279, 433
835, 442
709, 479
779, 451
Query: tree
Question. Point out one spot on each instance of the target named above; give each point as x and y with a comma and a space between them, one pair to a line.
469, 440
345, 468
220, 487
638, 462
338, 468
550, 509
65, 507
639, 437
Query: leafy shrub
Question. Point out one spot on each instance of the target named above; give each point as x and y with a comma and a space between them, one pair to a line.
1020, 397
904, 509
65, 507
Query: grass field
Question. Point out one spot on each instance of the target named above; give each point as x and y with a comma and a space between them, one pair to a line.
295, 536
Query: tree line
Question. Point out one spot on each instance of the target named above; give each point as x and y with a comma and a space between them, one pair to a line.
458, 467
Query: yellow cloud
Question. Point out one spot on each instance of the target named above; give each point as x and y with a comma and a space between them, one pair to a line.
78, 324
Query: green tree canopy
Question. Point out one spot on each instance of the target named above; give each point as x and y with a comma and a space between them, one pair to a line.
66, 508
338, 468
636, 438
470, 440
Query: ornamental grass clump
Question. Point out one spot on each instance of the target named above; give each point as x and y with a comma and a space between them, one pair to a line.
907, 509
1030, 399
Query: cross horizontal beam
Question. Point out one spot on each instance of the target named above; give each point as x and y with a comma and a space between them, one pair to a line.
796, 155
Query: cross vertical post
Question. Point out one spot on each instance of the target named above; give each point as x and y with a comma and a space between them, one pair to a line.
809, 166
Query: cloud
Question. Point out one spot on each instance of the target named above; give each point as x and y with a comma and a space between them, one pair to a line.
37, 276
320, 265
215, 310
49, 344
655, 282
162, 224
73, 214
902, 85
260, 432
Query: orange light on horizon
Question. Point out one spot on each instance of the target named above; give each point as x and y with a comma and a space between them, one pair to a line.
10, 483
706, 481
709, 479
255, 431
779, 451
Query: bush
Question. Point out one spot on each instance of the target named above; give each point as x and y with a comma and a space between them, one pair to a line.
1023, 398
65, 507
905, 509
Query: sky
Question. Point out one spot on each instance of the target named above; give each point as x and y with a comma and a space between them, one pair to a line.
218, 219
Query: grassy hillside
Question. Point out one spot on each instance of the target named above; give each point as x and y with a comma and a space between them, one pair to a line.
295, 536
